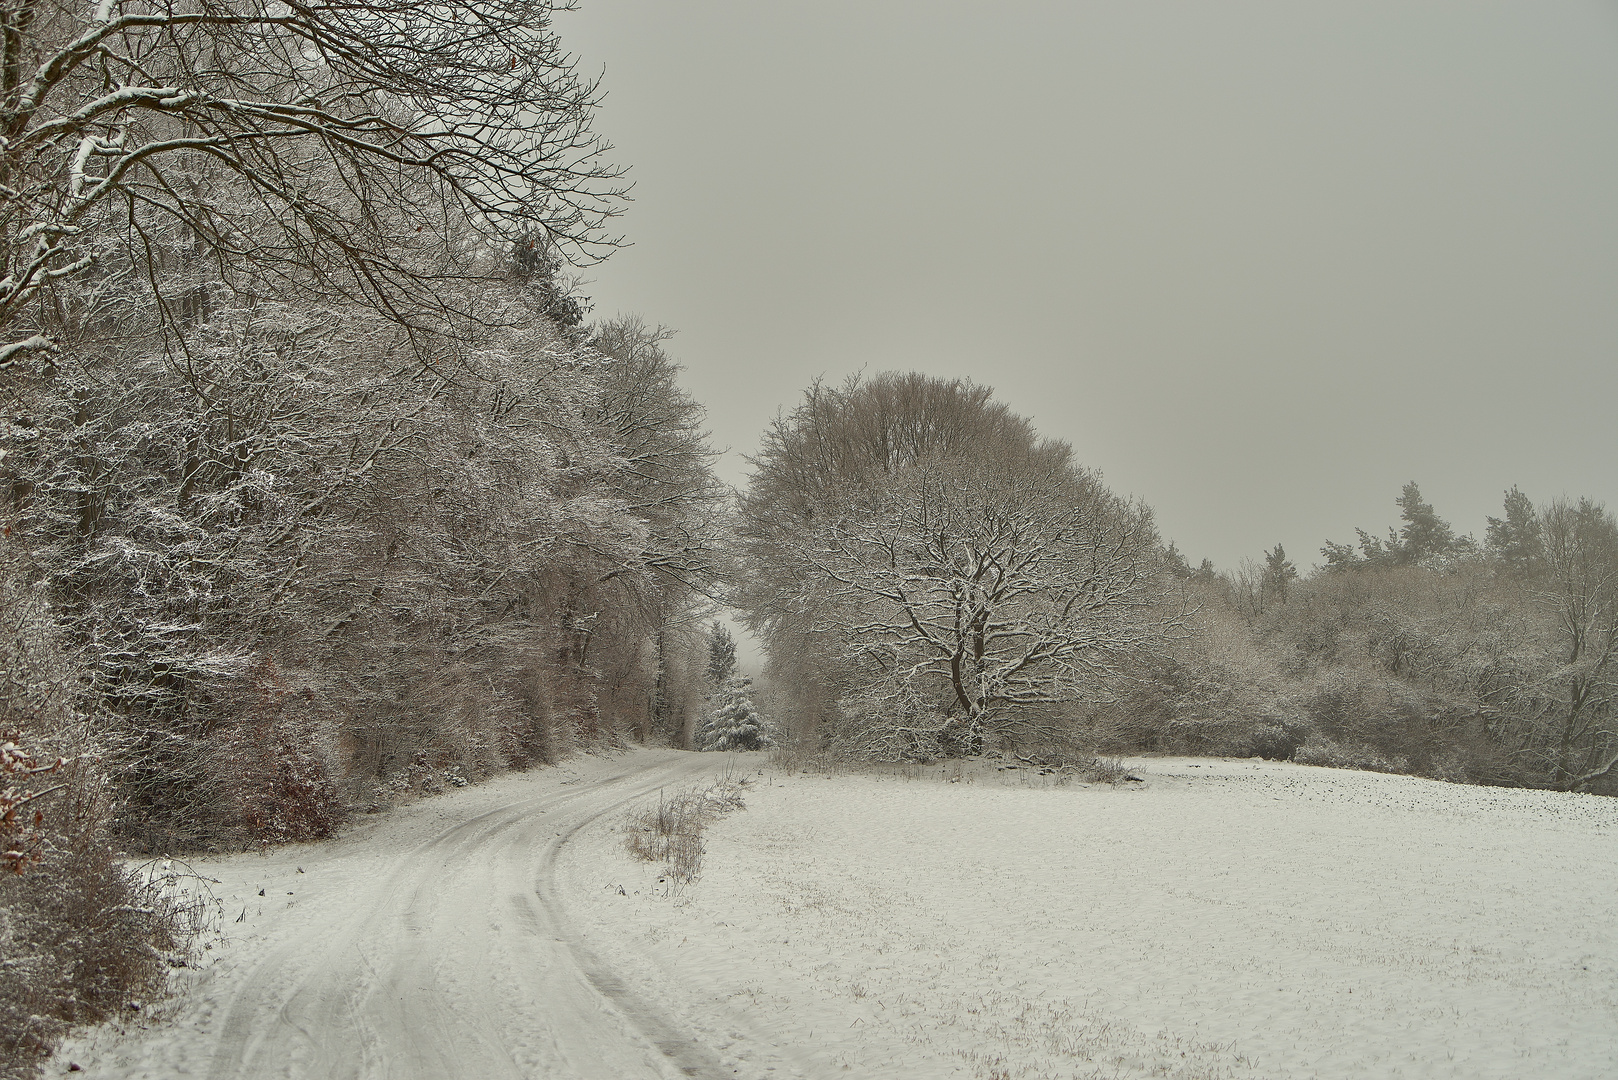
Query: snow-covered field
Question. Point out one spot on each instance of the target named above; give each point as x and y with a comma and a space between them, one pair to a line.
1221, 919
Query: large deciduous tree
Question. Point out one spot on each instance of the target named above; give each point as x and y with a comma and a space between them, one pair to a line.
965, 574
338, 145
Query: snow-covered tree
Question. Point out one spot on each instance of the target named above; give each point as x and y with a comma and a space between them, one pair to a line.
1580, 589
721, 655
314, 146
946, 554
989, 587
733, 721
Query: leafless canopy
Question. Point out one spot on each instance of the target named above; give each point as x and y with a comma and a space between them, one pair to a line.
338, 143
966, 570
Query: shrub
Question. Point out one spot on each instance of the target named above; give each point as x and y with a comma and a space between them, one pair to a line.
81, 936
274, 762
671, 832
1321, 750
1069, 761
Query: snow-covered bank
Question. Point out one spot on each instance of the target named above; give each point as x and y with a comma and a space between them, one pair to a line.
1222, 919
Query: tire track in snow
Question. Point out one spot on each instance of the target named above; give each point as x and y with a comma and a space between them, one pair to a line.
686, 1052
461, 960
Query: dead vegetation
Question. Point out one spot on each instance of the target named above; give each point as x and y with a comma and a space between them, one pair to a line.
1055, 765
671, 832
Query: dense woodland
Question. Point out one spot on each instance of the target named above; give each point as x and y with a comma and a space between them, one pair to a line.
318, 489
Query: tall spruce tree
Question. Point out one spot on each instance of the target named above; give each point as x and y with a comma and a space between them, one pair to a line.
721, 655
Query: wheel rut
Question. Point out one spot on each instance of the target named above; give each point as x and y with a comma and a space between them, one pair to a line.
460, 960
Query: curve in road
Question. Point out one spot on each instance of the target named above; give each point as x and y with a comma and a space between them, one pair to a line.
460, 960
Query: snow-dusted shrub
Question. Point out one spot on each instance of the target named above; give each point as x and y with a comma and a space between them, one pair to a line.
78, 937
1322, 750
1067, 762
671, 832
275, 759
1274, 738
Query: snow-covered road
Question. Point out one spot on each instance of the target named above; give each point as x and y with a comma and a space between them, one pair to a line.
1222, 920
430, 945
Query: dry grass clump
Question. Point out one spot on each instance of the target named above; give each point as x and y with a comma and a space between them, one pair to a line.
1067, 762
671, 831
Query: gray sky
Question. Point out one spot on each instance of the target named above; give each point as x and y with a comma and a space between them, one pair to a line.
1260, 263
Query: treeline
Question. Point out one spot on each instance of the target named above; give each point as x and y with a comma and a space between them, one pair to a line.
1419, 651
315, 486
932, 578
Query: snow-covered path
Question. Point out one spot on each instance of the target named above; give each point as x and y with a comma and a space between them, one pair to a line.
428, 945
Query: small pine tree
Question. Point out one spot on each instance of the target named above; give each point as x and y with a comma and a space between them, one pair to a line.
1424, 532
1515, 541
733, 721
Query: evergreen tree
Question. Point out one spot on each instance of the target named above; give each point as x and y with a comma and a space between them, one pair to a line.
1279, 573
1374, 551
721, 655
1516, 541
1340, 556
733, 721
1174, 561
1424, 532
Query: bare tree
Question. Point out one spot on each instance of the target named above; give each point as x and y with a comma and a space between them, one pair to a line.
1002, 584
1580, 587
665, 473
969, 572
335, 144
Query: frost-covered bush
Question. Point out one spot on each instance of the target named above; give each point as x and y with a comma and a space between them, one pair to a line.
1321, 750
79, 937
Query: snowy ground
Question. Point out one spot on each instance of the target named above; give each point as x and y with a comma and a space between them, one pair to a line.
427, 944
1220, 919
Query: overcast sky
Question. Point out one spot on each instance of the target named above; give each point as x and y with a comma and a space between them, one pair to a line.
1260, 263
